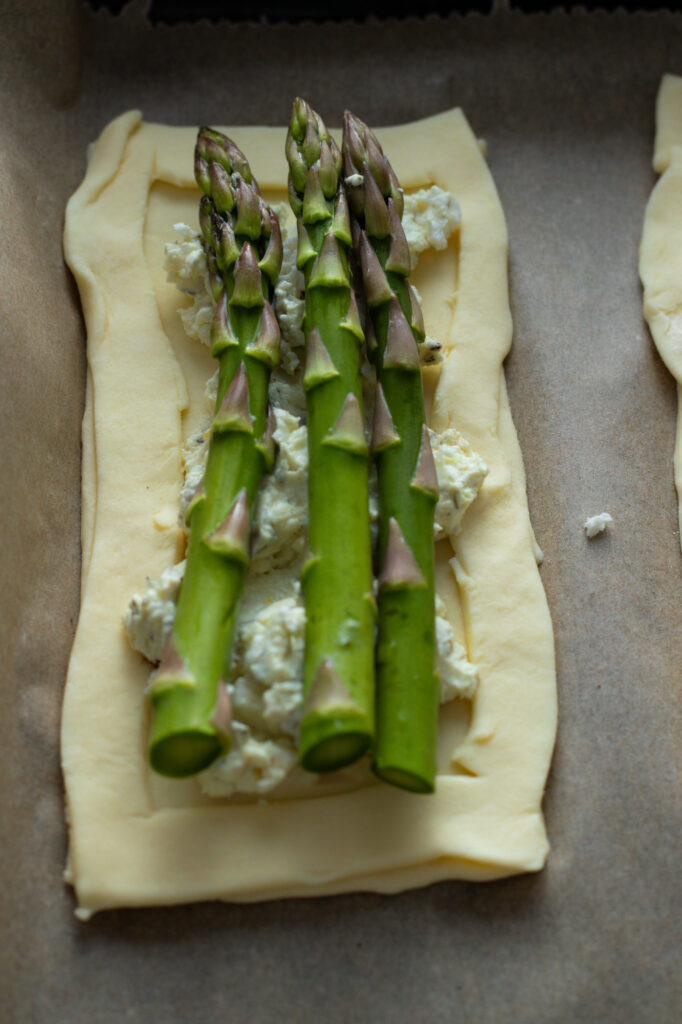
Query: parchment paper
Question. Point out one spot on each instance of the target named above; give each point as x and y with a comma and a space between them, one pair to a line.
566, 104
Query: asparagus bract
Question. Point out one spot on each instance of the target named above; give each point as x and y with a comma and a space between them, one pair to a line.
407, 684
242, 241
338, 719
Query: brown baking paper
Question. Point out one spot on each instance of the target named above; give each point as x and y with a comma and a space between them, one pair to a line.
566, 104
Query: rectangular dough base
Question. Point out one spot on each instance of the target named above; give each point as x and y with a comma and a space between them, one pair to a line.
138, 840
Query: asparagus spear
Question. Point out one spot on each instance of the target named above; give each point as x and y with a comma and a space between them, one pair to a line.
338, 718
407, 684
241, 237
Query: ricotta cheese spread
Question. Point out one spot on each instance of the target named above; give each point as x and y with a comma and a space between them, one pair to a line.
150, 616
282, 508
266, 677
460, 474
595, 525
430, 216
186, 268
289, 298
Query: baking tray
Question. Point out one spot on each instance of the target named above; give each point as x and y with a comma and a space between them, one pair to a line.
565, 103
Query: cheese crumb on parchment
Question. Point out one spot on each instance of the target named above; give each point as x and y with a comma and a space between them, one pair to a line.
594, 525
266, 677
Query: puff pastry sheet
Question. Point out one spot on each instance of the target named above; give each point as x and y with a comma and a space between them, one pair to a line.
139, 840
660, 255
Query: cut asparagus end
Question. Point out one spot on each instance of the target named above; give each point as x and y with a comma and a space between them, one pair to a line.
328, 744
413, 782
335, 731
184, 754
180, 747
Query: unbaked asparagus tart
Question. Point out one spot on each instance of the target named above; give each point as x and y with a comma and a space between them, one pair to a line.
304, 499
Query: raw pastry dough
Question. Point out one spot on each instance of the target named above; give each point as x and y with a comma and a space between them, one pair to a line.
138, 839
660, 254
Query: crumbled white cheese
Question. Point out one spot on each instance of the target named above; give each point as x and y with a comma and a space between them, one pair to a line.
282, 507
271, 644
149, 618
460, 474
289, 300
267, 698
430, 216
197, 318
185, 261
194, 454
253, 765
458, 677
246, 699
430, 350
195, 449
211, 391
595, 525
287, 393
269, 661
186, 268
282, 707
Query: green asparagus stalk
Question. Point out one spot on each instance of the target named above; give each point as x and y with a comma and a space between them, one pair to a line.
338, 719
407, 683
242, 241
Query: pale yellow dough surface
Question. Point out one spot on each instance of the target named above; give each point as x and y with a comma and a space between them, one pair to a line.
660, 254
136, 839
